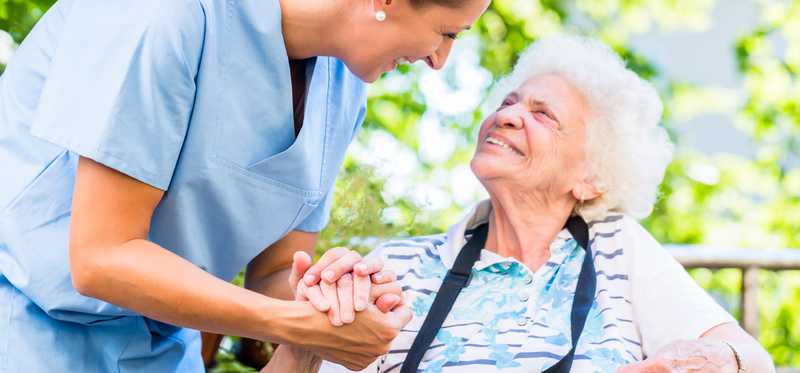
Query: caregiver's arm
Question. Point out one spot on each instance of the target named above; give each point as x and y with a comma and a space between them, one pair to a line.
112, 260
268, 273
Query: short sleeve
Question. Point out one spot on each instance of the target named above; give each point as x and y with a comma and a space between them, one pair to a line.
121, 86
668, 304
320, 216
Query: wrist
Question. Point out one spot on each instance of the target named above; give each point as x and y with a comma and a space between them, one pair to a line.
737, 357
287, 322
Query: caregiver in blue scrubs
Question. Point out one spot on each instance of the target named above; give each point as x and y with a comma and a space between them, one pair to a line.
151, 149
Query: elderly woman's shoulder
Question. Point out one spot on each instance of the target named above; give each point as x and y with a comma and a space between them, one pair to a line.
620, 233
411, 246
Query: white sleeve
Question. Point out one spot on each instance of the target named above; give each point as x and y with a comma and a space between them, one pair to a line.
667, 304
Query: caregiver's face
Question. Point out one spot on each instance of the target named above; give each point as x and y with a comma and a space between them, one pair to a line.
536, 138
410, 33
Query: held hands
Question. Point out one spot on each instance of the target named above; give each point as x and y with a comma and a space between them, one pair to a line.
702, 356
341, 283
348, 285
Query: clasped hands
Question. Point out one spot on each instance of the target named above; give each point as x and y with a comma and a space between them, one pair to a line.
342, 283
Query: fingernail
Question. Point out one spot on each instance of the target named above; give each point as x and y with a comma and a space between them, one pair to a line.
324, 305
360, 267
328, 275
378, 277
360, 306
309, 279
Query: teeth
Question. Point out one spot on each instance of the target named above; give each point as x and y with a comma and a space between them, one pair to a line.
401, 60
500, 143
492, 140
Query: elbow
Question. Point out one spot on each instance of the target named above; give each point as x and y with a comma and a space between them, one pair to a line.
84, 273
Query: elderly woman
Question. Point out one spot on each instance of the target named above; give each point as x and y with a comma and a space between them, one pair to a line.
562, 277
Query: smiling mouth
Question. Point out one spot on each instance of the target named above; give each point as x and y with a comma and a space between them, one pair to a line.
405, 60
502, 144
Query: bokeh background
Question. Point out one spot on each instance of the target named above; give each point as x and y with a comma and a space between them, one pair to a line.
728, 72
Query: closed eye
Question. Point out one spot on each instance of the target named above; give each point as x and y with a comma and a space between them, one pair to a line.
452, 35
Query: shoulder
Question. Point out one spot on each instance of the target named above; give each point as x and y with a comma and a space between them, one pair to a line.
620, 240
425, 245
619, 229
403, 255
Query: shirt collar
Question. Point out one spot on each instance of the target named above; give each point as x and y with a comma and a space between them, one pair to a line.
478, 215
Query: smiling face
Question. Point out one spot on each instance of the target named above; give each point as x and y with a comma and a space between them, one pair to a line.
535, 140
409, 33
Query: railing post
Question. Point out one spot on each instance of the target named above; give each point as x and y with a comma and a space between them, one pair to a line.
749, 301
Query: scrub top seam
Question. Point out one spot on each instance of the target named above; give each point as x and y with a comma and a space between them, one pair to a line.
328, 129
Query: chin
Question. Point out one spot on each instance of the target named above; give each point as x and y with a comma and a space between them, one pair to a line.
488, 167
366, 74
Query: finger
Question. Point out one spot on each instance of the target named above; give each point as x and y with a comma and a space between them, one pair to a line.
329, 291
317, 299
646, 366
300, 264
344, 289
384, 276
300, 292
361, 290
312, 275
383, 289
368, 266
388, 302
340, 266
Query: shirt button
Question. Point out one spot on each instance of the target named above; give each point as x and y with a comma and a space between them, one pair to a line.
524, 297
522, 321
528, 279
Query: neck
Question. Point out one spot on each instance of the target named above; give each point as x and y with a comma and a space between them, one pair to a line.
524, 226
313, 27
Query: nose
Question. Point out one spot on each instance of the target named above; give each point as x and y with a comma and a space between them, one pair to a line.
439, 57
510, 117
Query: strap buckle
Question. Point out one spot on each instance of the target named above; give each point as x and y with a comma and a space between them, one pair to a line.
460, 279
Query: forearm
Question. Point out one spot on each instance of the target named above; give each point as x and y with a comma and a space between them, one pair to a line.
146, 278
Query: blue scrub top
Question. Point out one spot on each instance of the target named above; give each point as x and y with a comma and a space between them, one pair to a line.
189, 96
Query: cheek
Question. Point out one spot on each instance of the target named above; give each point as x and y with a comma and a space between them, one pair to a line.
486, 125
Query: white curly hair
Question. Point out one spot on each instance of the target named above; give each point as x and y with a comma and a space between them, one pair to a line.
627, 151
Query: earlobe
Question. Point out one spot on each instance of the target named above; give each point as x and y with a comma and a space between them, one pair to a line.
585, 191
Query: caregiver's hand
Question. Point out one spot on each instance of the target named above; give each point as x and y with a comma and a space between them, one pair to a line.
701, 356
351, 293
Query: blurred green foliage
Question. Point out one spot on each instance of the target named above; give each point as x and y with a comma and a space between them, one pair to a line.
719, 200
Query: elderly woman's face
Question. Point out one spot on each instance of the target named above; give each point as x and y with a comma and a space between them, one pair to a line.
535, 140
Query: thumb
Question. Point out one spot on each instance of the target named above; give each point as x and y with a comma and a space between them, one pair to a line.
388, 302
300, 264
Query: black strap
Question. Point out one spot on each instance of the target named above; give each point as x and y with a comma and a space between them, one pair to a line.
456, 279
459, 276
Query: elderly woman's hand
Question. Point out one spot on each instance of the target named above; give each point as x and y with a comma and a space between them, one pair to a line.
702, 356
352, 291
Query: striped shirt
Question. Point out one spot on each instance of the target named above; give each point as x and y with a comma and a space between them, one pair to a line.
512, 319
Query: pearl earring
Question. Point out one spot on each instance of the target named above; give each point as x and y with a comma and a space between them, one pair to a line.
380, 16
